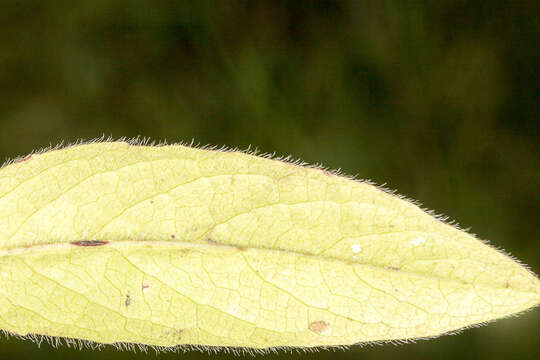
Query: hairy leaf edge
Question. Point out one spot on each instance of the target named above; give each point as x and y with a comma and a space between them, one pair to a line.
134, 347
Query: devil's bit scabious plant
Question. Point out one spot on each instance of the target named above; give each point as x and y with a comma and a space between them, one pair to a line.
124, 243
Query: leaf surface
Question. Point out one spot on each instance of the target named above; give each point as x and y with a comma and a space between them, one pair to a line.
173, 245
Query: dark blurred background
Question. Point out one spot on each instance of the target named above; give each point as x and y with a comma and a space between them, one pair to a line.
438, 100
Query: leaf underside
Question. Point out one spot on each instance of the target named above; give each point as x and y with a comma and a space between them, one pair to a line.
172, 245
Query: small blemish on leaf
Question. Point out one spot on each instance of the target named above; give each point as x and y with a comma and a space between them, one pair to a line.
234, 309
173, 236
211, 241
145, 286
128, 300
417, 241
89, 243
356, 248
26, 158
327, 173
318, 326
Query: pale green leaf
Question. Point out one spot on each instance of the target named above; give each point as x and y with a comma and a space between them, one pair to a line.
173, 245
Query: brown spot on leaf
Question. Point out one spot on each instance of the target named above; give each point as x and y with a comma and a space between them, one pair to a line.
318, 326
145, 286
506, 284
173, 236
393, 268
89, 243
128, 300
241, 248
211, 241
185, 251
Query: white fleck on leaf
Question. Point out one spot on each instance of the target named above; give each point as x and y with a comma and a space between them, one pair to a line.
417, 241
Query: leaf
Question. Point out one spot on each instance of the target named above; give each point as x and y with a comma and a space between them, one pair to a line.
172, 245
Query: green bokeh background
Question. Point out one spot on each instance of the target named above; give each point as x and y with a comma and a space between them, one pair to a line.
438, 100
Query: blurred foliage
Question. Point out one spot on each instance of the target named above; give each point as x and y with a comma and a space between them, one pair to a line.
438, 99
